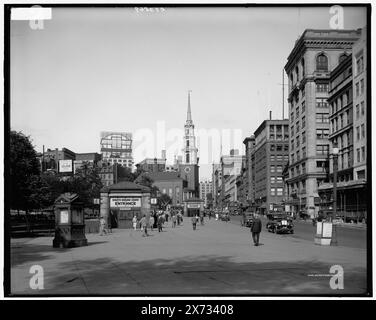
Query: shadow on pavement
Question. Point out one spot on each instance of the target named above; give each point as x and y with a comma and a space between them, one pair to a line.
202, 275
26, 252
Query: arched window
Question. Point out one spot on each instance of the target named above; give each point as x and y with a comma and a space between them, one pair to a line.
303, 66
322, 62
342, 57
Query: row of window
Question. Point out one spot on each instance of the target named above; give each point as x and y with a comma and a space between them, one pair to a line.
321, 66
341, 102
279, 157
304, 154
343, 141
276, 191
279, 147
276, 180
341, 121
276, 168
298, 170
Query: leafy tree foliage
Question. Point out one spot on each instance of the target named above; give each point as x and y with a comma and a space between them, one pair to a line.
24, 170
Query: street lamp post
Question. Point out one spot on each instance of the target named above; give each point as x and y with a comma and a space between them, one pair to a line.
334, 215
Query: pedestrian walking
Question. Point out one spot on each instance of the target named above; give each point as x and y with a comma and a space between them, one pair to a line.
102, 226
256, 229
173, 218
201, 219
144, 226
210, 215
134, 221
109, 224
155, 216
160, 223
194, 222
151, 223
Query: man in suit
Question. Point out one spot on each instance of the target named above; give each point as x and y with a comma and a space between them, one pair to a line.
256, 229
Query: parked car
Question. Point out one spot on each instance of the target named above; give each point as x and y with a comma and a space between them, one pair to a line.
303, 215
280, 223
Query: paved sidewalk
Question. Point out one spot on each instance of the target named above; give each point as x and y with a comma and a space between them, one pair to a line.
216, 259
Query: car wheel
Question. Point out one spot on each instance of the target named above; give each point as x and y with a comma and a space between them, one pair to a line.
292, 231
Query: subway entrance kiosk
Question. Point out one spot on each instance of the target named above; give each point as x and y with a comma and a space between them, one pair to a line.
123, 200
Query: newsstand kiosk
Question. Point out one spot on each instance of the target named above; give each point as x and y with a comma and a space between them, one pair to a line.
69, 222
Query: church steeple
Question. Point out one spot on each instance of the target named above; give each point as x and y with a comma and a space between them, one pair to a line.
189, 113
190, 150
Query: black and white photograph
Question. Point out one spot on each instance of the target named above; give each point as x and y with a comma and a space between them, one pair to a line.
171, 150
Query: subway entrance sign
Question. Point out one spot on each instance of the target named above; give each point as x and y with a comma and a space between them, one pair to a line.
125, 202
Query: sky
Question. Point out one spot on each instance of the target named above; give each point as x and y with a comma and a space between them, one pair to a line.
115, 69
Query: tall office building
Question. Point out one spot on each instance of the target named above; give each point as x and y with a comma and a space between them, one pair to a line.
116, 147
231, 166
269, 157
315, 54
348, 127
206, 187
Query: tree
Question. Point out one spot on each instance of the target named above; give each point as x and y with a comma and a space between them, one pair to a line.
164, 200
87, 184
124, 173
24, 167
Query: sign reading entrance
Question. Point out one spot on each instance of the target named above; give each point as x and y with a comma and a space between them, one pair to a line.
125, 202
193, 205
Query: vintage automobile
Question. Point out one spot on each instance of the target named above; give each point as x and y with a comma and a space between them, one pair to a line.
279, 223
247, 219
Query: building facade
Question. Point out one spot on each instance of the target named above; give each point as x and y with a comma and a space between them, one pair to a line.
248, 174
116, 147
359, 56
169, 183
50, 159
152, 164
217, 180
91, 159
348, 105
231, 167
206, 187
315, 54
269, 157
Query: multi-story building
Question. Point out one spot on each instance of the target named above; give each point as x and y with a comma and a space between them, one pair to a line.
108, 175
116, 147
231, 166
50, 158
270, 155
206, 187
347, 102
91, 159
169, 183
315, 54
216, 179
248, 181
152, 165
359, 56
